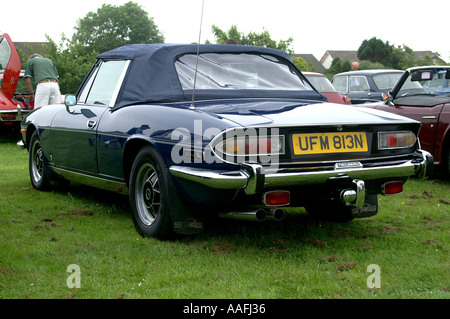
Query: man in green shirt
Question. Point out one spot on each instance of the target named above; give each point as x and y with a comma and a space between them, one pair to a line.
45, 75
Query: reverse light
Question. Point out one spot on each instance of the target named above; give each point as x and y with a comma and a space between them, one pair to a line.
392, 140
391, 188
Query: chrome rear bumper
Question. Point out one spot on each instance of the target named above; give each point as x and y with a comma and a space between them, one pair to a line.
20, 114
253, 178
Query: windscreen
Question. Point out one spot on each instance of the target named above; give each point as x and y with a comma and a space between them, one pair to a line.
424, 87
425, 82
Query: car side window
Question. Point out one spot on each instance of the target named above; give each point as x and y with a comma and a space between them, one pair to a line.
85, 90
340, 83
358, 84
386, 81
104, 84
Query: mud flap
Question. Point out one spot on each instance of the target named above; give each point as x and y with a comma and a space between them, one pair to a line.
185, 220
369, 209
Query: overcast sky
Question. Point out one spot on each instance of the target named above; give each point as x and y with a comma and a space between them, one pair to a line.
315, 25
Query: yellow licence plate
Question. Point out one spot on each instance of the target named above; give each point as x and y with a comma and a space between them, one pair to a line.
325, 143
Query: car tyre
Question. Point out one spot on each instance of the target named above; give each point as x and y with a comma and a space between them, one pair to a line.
149, 195
37, 163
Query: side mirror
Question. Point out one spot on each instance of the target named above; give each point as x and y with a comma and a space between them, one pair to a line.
70, 100
389, 99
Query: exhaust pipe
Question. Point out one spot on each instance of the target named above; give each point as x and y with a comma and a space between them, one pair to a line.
276, 214
258, 215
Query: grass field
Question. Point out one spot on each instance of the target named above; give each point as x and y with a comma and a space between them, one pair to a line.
43, 234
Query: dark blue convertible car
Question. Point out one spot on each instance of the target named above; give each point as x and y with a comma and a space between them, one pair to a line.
236, 131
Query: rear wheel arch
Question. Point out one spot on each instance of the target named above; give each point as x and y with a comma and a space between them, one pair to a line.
30, 130
131, 149
40, 175
177, 215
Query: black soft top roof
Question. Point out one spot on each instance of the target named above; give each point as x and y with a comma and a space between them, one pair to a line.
152, 76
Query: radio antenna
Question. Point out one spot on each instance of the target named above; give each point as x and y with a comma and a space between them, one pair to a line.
198, 53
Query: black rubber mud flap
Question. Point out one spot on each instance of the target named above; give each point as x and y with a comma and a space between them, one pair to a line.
185, 219
369, 209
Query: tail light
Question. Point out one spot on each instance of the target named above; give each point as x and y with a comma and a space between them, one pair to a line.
252, 146
256, 145
391, 188
346, 99
391, 140
276, 198
8, 117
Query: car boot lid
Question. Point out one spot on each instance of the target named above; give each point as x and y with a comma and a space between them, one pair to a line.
289, 113
12, 72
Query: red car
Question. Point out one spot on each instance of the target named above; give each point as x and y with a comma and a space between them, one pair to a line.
14, 97
423, 93
324, 86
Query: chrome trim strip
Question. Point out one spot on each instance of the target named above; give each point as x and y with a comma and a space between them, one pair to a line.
332, 163
94, 181
11, 111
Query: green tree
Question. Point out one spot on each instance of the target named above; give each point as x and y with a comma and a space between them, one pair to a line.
367, 65
262, 39
337, 66
114, 26
70, 58
300, 63
404, 56
375, 50
72, 63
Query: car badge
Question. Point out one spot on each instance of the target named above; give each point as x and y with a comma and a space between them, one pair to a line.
347, 165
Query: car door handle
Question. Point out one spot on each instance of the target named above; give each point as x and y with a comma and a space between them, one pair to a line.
91, 124
429, 117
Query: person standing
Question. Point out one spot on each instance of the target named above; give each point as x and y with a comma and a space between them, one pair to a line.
43, 72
